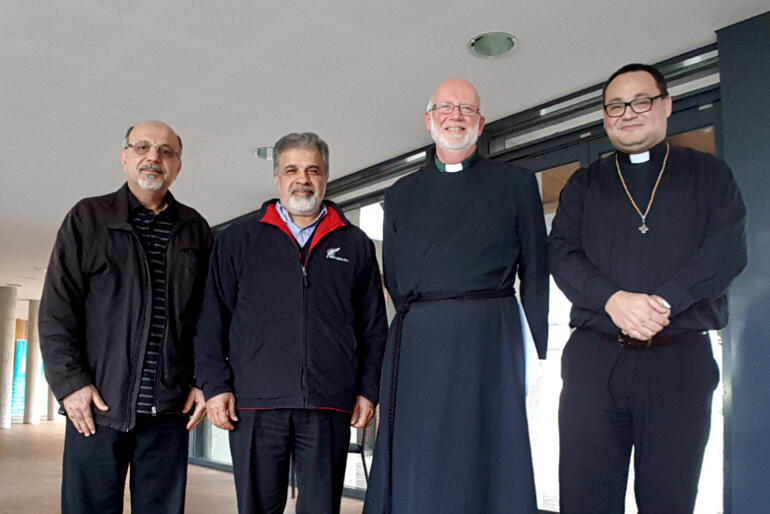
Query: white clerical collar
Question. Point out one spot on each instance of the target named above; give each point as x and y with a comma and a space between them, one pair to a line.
638, 158
454, 168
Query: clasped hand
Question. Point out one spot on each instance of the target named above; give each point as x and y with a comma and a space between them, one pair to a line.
638, 315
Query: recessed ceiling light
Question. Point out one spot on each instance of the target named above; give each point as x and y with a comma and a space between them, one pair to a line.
264, 152
491, 45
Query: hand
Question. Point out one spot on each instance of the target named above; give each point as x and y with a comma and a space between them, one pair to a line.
195, 397
661, 301
362, 413
221, 410
77, 405
638, 315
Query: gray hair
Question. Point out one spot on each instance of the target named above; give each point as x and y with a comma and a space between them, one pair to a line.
300, 140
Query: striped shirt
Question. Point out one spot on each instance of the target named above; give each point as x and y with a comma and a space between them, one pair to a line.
153, 231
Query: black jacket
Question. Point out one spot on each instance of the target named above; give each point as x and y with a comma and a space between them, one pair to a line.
95, 309
282, 334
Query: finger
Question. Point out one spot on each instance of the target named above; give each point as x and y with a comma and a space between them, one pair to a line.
639, 332
232, 413
365, 417
223, 418
653, 326
75, 419
658, 317
188, 403
197, 416
369, 417
97, 399
654, 303
223, 423
354, 417
662, 301
88, 421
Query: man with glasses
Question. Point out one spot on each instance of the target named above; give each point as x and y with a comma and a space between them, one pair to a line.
645, 243
457, 234
291, 336
122, 292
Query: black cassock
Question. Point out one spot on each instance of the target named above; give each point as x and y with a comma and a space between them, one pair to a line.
457, 440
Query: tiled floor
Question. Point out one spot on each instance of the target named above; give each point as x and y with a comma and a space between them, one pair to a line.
30, 476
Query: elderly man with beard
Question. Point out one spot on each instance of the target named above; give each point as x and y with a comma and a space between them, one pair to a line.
291, 337
123, 287
457, 234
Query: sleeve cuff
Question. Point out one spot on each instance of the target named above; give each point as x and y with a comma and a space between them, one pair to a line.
678, 299
69, 386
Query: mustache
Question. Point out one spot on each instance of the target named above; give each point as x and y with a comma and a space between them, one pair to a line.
302, 189
151, 166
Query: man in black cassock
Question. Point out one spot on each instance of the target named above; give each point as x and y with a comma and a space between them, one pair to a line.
453, 433
644, 244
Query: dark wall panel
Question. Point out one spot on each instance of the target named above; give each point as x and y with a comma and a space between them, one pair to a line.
744, 56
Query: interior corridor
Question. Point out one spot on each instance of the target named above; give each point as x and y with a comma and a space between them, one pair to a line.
30, 476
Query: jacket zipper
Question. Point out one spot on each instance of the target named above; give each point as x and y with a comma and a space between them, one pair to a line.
174, 230
303, 321
305, 285
143, 336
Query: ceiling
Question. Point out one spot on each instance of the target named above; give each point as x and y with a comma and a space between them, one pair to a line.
230, 76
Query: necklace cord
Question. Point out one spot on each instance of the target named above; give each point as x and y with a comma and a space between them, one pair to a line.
654, 189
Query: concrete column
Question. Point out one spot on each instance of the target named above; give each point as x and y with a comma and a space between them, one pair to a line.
33, 397
53, 406
7, 347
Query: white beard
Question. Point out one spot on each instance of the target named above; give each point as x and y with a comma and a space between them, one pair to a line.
302, 205
471, 136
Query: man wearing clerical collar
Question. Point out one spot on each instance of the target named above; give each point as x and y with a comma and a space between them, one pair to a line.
457, 234
645, 243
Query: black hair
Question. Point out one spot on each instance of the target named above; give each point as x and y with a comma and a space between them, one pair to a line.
660, 80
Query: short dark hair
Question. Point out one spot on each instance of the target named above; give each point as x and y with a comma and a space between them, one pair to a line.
128, 133
660, 80
300, 140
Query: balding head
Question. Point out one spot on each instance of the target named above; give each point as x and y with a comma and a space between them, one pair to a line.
157, 124
455, 88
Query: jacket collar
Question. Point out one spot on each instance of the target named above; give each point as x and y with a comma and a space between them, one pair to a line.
119, 208
333, 220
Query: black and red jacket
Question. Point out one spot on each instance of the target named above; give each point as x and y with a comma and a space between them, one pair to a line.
282, 332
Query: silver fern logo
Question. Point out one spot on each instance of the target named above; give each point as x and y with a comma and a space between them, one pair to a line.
331, 253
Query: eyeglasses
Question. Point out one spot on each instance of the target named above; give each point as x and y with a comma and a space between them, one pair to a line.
143, 147
448, 108
638, 105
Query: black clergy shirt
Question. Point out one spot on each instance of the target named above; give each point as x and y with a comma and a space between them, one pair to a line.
694, 248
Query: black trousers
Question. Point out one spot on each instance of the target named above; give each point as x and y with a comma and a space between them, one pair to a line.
94, 471
656, 400
261, 445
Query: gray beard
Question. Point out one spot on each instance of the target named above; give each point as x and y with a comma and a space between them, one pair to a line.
300, 206
150, 184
